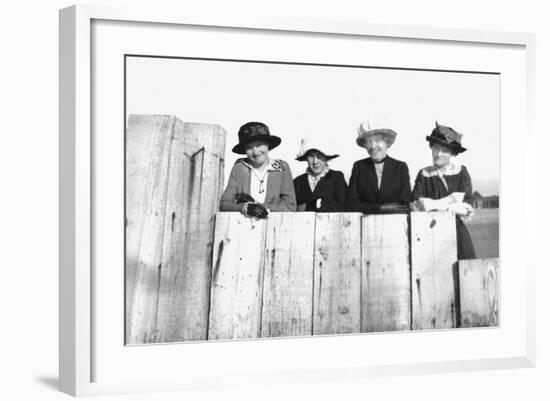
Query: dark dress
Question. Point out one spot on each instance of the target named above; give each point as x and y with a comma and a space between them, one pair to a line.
429, 185
363, 193
331, 189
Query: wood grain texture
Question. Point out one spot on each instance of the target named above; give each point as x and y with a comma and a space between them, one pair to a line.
193, 193
288, 275
479, 292
337, 274
146, 190
433, 256
237, 277
386, 288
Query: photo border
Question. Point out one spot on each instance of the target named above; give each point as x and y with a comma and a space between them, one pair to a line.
76, 181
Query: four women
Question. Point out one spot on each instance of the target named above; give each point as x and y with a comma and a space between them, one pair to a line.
378, 184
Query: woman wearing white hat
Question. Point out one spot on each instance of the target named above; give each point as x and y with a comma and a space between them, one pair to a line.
379, 183
319, 189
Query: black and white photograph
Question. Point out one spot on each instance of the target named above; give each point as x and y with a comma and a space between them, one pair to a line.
268, 199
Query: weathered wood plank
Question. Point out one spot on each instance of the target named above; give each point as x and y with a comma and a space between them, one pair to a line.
386, 288
146, 204
288, 275
196, 170
237, 277
141, 132
433, 256
337, 274
479, 292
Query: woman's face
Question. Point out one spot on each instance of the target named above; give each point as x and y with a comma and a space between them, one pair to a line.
441, 155
377, 147
317, 162
257, 153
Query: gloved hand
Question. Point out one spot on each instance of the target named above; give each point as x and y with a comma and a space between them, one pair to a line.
394, 208
461, 209
243, 198
256, 210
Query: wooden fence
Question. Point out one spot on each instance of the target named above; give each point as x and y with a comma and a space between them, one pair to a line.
334, 273
174, 177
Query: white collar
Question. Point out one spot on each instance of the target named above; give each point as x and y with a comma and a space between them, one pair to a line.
432, 171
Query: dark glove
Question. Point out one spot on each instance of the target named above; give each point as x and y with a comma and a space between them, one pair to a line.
256, 210
394, 208
243, 198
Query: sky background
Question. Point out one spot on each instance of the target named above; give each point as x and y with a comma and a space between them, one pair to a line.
326, 105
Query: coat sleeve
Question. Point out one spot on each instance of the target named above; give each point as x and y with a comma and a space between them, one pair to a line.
419, 190
353, 201
405, 195
337, 203
302, 197
227, 201
287, 197
466, 185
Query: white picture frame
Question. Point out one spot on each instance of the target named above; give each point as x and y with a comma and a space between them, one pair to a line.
80, 349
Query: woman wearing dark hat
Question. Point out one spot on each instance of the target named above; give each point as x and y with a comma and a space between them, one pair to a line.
379, 183
446, 185
258, 184
319, 189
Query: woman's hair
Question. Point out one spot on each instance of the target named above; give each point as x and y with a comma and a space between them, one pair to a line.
248, 145
320, 155
454, 152
385, 138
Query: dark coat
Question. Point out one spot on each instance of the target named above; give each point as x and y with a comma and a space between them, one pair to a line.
331, 189
363, 193
429, 185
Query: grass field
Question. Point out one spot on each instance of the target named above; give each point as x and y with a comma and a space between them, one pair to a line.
484, 229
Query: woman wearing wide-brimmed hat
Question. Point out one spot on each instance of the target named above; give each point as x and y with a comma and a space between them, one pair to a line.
258, 184
379, 183
446, 185
319, 189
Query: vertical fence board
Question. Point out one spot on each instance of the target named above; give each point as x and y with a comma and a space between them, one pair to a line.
337, 274
479, 292
237, 277
433, 256
386, 288
197, 169
146, 203
288, 275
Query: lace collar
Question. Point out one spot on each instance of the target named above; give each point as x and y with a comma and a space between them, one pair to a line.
451, 169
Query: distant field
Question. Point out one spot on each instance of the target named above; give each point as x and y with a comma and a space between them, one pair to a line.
484, 229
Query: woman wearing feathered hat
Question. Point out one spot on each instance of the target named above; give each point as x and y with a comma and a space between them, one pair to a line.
319, 189
379, 183
446, 185
258, 184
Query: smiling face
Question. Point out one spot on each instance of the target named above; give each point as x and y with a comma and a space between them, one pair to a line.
377, 147
441, 155
317, 162
257, 153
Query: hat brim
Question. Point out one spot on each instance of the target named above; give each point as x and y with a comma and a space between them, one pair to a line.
452, 146
387, 133
271, 140
303, 158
